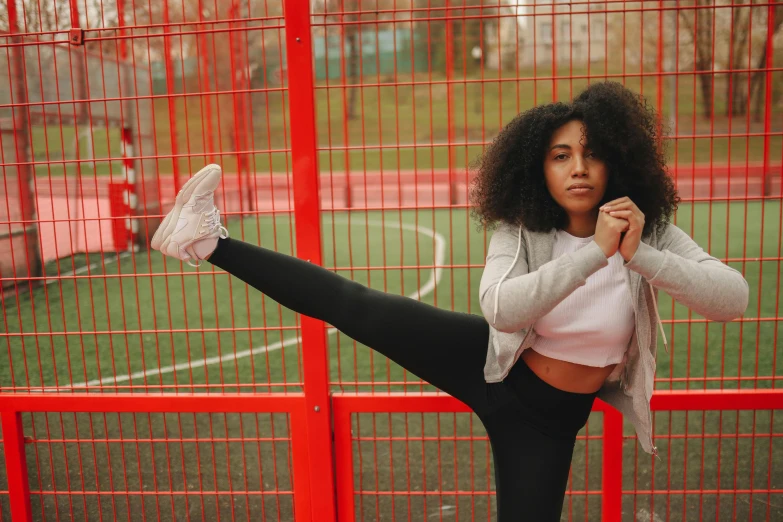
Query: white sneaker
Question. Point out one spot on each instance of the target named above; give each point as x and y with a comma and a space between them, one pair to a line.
166, 227
191, 230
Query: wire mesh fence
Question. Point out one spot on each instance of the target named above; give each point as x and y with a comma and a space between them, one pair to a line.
347, 131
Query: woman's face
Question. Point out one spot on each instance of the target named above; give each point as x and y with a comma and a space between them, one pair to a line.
575, 177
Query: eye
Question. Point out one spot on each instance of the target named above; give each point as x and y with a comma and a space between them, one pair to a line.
561, 156
591, 154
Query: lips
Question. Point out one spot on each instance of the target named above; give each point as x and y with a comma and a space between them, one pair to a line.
581, 187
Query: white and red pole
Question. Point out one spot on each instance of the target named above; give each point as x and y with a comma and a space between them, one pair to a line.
129, 196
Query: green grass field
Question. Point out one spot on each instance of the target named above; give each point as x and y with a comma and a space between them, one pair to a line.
389, 115
157, 324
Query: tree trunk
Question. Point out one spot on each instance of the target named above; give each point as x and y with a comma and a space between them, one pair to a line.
353, 69
757, 80
756, 86
352, 36
705, 82
736, 93
699, 23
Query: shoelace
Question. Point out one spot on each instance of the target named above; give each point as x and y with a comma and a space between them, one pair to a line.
212, 222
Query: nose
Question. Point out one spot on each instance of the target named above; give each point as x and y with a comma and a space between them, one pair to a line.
579, 167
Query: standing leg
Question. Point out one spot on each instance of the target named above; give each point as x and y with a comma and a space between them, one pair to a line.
531, 471
532, 431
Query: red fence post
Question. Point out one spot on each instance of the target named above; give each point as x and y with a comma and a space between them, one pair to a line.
170, 95
554, 54
16, 466
301, 463
82, 116
141, 196
346, 111
21, 127
768, 97
343, 454
612, 470
240, 147
203, 52
450, 100
659, 74
304, 153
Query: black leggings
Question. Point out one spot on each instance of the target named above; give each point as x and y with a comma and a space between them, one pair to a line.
531, 425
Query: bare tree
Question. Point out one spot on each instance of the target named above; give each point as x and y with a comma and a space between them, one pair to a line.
736, 93
347, 18
734, 40
699, 24
757, 80
749, 51
34, 15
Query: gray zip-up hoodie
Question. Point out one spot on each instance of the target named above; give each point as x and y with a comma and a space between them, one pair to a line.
521, 283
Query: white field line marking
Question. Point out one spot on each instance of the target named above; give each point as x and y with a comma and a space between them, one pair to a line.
426, 289
86, 268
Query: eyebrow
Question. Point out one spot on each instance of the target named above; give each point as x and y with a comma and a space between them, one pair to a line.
565, 146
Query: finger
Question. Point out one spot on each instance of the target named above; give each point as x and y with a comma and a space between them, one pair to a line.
625, 226
628, 215
624, 214
611, 219
616, 201
622, 205
622, 223
627, 205
630, 207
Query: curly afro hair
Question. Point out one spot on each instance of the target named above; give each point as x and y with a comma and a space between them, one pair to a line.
620, 128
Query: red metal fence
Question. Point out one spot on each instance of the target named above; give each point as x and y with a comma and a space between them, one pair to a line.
134, 388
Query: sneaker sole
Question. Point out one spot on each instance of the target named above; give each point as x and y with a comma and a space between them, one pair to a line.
167, 226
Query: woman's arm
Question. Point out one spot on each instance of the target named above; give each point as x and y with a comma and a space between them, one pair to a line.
512, 298
691, 276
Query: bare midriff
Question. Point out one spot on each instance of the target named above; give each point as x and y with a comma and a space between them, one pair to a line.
567, 376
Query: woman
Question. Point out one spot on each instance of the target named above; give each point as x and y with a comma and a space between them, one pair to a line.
582, 201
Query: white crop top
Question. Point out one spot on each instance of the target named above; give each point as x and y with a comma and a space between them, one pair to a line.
594, 324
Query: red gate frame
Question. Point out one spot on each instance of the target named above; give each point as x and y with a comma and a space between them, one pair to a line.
12, 407
308, 500
345, 404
